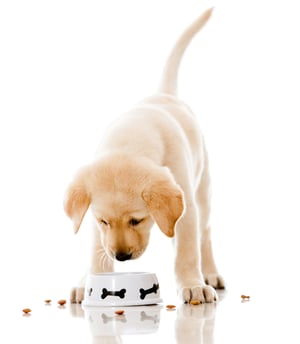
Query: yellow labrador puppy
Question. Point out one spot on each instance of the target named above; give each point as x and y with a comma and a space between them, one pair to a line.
151, 167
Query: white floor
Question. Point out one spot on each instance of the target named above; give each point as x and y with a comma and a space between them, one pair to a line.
267, 318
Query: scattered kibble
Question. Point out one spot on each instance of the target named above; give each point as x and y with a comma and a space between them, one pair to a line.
245, 297
47, 301
26, 310
170, 306
119, 312
195, 302
62, 302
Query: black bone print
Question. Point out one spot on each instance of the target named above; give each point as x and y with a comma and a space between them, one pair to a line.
121, 293
145, 292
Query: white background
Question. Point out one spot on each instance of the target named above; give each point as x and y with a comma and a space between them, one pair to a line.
68, 68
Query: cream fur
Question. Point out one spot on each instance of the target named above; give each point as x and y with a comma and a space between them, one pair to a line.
152, 167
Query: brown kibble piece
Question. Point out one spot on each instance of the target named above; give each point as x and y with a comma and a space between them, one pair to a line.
26, 310
195, 302
62, 302
170, 306
119, 312
47, 301
245, 297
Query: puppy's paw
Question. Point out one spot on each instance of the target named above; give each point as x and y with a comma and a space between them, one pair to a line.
214, 280
202, 293
77, 295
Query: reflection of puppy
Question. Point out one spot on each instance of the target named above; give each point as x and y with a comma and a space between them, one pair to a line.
195, 324
152, 167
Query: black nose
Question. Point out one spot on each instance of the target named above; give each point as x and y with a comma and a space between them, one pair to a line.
122, 256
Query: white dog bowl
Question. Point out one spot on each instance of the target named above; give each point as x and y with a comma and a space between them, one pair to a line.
121, 289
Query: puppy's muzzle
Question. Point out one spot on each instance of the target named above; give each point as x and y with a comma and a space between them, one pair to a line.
122, 256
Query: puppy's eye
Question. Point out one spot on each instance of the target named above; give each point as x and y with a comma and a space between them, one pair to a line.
135, 222
103, 222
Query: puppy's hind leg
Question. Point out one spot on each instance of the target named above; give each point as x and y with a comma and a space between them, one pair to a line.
208, 264
100, 262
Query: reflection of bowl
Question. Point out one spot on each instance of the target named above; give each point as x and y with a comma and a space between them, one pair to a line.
121, 289
135, 320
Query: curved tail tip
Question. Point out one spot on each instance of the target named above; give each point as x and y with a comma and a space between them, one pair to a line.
209, 12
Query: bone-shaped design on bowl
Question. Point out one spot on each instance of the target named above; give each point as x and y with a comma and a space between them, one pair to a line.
121, 293
121, 289
144, 292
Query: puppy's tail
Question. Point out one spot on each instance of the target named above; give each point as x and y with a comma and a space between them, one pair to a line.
170, 74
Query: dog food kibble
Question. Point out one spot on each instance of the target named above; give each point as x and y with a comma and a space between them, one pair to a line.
62, 302
195, 302
119, 312
26, 310
170, 306
245, 297
47, 301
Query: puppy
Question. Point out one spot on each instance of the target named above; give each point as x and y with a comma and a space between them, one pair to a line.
151, 167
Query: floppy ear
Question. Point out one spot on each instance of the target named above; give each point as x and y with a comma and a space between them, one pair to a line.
165, 203
76, 202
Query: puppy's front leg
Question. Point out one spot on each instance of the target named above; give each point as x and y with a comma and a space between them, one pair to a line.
100, 262
190, 281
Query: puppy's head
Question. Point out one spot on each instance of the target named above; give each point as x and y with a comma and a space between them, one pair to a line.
126, 196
